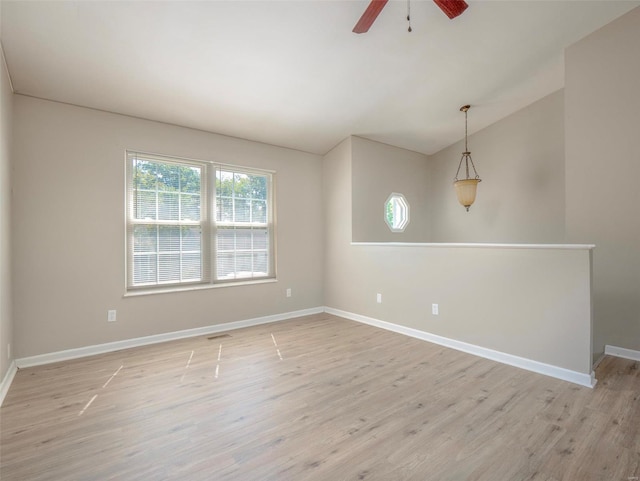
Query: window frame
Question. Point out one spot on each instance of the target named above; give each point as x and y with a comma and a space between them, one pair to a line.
269, 225
208, 223
394, 199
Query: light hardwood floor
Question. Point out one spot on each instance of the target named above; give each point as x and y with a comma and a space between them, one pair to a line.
315, 398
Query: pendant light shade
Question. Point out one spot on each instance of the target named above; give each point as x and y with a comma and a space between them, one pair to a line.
466, 191
466, 188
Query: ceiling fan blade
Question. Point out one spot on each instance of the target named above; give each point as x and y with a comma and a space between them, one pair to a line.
369, 16
452, 8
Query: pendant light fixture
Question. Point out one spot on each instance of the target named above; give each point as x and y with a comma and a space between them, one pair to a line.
466, 188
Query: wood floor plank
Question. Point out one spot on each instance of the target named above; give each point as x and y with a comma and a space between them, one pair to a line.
315, 398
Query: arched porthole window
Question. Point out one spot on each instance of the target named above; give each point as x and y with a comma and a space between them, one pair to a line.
396, 212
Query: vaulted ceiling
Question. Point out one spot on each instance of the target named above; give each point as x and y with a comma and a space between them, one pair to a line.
292, 73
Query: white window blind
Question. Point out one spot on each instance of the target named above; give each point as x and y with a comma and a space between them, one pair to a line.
242, 225
194, 222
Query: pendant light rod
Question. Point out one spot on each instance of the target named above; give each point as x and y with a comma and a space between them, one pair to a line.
465, 109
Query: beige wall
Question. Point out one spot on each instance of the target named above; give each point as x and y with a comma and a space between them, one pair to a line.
521, 198
6, 316
69, 229
378, 170
336, 182
602, 170
532, 303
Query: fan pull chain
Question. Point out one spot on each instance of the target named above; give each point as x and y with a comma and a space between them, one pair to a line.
409, 15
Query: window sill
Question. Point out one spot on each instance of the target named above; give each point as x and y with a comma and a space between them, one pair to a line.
197, 287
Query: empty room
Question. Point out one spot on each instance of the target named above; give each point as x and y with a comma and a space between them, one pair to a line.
320, 240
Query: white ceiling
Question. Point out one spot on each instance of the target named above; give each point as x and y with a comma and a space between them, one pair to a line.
292, 73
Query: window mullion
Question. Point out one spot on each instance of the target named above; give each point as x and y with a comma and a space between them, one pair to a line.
157, 253
210, 230
181, 254
235, 244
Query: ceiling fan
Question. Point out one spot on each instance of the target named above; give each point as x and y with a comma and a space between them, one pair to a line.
452, 8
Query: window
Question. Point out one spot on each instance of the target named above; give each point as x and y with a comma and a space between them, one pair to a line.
192, 222
396, 212
242, 233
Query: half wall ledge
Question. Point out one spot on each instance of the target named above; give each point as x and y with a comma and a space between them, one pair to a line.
478, 245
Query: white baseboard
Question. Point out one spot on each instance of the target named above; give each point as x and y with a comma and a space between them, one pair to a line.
575, 377
622, 352
8, 379
156, 338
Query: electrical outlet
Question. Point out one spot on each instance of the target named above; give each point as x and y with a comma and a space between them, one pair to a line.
434, 309
9, 351
289, 292
379, 298
111, 315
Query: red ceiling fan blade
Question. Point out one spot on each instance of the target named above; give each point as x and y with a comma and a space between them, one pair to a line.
451, 8
369, 16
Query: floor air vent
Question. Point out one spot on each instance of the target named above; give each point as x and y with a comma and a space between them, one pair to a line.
218, 337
